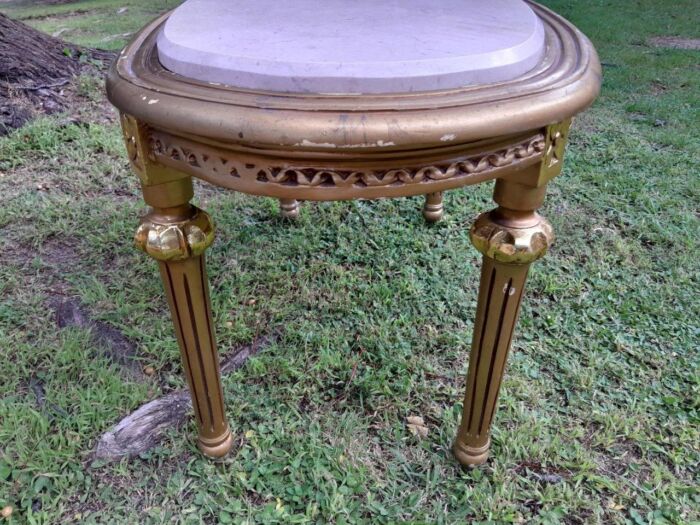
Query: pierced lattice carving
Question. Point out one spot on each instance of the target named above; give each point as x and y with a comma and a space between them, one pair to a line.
172, 152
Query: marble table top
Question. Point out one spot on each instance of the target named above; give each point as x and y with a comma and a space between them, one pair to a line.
351, 46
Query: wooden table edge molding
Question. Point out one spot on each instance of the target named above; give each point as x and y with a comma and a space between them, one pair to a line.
347, 146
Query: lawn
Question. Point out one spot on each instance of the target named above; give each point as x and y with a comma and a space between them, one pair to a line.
362, 315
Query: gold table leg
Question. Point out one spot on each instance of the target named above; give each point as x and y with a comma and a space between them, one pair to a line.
433, 209
289, 208
176, 234
510, 237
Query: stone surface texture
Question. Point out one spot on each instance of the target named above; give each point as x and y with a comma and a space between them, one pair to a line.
358, 46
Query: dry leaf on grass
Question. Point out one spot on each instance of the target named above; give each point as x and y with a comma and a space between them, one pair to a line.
417, 426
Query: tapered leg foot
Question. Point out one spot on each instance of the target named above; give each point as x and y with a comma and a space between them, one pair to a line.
216, 448
289, 208
470, 456
433, 209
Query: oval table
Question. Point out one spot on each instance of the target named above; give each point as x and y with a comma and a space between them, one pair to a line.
340, 100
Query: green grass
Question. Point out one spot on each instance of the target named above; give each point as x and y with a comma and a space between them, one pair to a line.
370, 313
107, 24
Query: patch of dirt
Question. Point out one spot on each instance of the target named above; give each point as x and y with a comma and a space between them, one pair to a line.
675, 42
16, 254
658, 87
35, 68
540, 473
110, 342
60, 255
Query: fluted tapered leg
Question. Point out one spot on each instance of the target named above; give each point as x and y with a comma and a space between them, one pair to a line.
510, 238
186, 286
176, 234
500, 293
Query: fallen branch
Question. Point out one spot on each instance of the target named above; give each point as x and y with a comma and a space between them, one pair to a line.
44, 86
146, 426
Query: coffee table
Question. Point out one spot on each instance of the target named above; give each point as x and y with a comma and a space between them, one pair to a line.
339, 100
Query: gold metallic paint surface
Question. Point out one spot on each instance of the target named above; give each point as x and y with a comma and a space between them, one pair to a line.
289, 208
509, 244
510, 237
186, 287
553, 159
500, 295
433, 209
176, 234
175, 241
333, 178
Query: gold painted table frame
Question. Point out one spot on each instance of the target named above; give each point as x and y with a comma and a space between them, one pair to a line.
335, 147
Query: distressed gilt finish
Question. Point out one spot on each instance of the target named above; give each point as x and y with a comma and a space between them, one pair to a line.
297, 147
557, 135
289, 208
324, 180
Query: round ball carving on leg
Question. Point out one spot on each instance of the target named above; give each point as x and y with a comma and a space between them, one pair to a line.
176, 240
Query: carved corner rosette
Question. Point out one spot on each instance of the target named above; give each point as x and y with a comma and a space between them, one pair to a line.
509, 244
134, 134
137, 142
556, 138
166, 240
